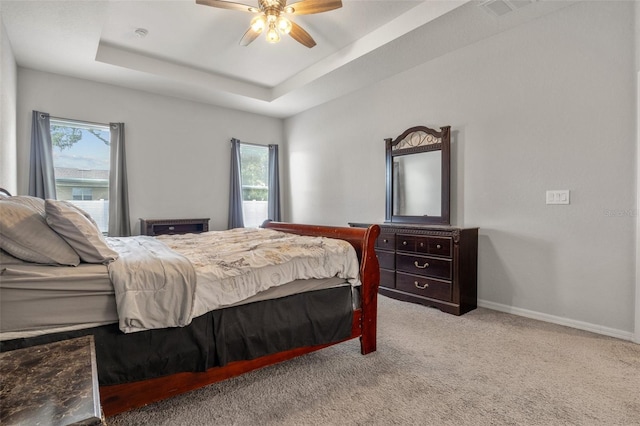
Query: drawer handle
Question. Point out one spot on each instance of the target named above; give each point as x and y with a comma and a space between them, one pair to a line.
417, 265
421, 244
438, 246
171, 228
385, 240
421, 287
404, 243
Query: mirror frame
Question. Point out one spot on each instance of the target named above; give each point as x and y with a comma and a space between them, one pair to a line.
412, 141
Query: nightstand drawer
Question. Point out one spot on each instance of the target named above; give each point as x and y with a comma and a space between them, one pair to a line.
424, 286
437, 246
173, 226
423, 265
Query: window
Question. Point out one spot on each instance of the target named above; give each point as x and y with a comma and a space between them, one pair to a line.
81, 159
254, 164
82, 194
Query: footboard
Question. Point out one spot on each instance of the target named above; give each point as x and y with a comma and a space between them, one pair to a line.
363, 240
123, 397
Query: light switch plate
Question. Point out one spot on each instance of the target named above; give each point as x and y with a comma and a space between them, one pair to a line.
558, 196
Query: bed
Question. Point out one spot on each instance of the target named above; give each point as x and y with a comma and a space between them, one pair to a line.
207, 339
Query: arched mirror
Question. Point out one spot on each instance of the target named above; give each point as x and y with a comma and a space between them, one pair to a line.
418, 175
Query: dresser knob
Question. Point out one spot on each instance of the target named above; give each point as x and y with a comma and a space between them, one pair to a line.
438, 246
421, 287
404, 243
385, 240
417, 265
421, 244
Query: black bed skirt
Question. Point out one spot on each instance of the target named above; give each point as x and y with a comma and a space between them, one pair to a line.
216, 338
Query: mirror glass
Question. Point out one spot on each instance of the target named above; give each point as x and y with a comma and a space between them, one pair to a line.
417, 181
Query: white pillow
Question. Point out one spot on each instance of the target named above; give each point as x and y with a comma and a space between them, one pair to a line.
24, 234
81, 234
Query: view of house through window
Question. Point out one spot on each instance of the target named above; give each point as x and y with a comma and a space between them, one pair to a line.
254, 164
81, 159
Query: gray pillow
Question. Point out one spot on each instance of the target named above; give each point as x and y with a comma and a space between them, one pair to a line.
7, 259
34, 203
73, 206
25, 234
77, 230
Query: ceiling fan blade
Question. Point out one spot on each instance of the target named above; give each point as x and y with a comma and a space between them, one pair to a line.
301, 36
227, 5
249, 36
307, 7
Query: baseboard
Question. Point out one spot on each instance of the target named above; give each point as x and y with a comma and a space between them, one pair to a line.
580, 325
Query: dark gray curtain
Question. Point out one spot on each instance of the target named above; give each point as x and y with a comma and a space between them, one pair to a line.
236, 219
274, 184
42, 180
119, 225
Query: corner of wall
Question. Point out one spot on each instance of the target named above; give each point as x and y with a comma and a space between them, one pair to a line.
636, 335
8, 114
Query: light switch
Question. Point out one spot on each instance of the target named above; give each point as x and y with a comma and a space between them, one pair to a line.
558, 196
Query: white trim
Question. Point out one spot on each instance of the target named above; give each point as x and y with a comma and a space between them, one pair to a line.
636, 336
580, 325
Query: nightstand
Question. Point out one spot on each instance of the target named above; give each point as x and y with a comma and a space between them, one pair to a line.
173, 226
52, 384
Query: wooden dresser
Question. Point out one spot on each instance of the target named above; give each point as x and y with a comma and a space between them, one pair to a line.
429, 264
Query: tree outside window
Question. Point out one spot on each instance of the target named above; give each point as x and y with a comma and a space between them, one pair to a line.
81, 159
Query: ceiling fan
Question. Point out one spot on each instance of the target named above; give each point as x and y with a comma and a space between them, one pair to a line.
270, 17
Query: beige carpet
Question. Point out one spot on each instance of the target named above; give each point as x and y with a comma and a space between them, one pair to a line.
431, 368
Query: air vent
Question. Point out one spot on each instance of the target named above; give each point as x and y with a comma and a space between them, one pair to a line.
502, 7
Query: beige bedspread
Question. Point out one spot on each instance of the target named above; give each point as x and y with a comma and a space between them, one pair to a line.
154, 286
234, 265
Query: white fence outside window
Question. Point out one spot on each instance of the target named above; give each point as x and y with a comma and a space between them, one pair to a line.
255, 212
98, 209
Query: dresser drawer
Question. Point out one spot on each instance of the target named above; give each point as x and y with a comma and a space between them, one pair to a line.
386, 259
405, 242
423, 286
386, 241
437, 246
423, 265
387, 278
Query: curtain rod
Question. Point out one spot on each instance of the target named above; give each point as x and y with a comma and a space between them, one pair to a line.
252, 144
72, 120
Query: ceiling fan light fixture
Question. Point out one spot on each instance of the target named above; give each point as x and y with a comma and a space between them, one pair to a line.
272, 34
269, 17
284, 25
258, 23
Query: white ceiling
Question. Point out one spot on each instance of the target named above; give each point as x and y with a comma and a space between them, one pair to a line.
192, 51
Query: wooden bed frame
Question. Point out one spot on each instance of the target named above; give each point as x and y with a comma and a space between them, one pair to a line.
119, 398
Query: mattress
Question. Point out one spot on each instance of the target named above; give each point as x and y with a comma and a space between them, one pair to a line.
37, 299
40, 299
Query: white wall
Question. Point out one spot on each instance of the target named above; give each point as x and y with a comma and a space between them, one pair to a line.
8, 86
549, 105
177, 151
